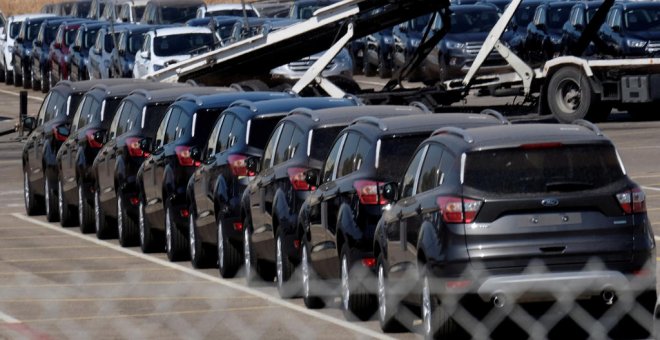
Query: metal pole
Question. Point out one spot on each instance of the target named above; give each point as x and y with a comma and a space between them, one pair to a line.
22, 111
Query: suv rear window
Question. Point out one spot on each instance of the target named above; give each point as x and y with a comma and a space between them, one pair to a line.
322, 140
566, 168
395, 154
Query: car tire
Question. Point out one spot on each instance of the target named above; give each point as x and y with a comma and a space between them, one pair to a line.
15, 79
103, 227
309, 281
36, 86
9, 79
287, 286
150, 242
45, 81
85, 212
25, 80
249, 258
436, 323
176, 245
127, 229
384, 71
356, 301
229, 257
34, 204
200, 256
253, 85
67, 217
368, 69
388, 303
50, 202
570, 96
3, 75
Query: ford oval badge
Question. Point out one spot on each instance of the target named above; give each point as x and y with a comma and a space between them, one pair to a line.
550, 202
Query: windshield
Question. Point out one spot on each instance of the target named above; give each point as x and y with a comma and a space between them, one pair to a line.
70, 36
542, 170
260, 129
90, 38
473, 21
32, 31
14, 29
419, 23
642, 19
524, 15
181, 43
557, 16
394, 155
172, 15
152, 118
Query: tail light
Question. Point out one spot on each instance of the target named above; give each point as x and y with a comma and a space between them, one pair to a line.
632, 201
369, 192
458, 209
134, 149
238, 226
93, 143
369, 262
238, 165
58, 136
183, 154
297, 178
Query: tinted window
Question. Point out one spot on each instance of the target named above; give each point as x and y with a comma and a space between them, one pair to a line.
225, 132
122, 113
90, 37
171, 129
322, 141
90, 112
134, 43
14, 29
42, 110
270, 148
70, 37
260, 129
346, 164
231, 12
152, 118
642, 19
547, 170
160, 135
282, 152
473, 21
181, 43
395, 154
75, 101
558, 16
430, 175
205, 122
331, 161
408, 184
111, 106
172, 15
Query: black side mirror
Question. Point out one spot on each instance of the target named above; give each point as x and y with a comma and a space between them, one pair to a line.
63, 131
390, 191
99, 136
312, 177
196, 154
252, 164
29, 123
146, 145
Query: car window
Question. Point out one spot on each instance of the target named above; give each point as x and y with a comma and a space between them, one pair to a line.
60, 36
183, 126
213, 138
181, 43
99, 41
76, 116
408, 183
134, 42
172, 127
109, 109
394, 154
430, 174
297, 145
203, 122
92, 105
259, 130
151, 117
178, 14
321, 141
330, 164
270, 148
132, 120
225, 131
282, 152
147, 42
160, 134
42, 111
346, 164
121, 117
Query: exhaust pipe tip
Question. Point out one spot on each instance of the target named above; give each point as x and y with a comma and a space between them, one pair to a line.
608, 296
498, 300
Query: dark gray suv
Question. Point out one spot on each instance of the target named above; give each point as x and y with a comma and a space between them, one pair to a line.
492, 218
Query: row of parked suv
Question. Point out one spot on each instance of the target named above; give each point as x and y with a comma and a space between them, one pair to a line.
540, 30
392, 208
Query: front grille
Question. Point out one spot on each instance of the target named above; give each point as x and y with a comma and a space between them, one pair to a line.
303, 65
472, 49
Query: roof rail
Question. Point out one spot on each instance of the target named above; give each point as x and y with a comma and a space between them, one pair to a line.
450, 130
370, 120
305, 112
354, 98
192, 82
191, 98
236, 87
103, 87
589, 125
496, 114
142, 92
421, 106
245, 103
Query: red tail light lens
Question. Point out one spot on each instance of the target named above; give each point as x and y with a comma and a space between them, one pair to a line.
58, 137
238, 226
369, 262
91, 140
633, 201
183, 154
458, 209
238, 166
369, 192
133, 146
297, 178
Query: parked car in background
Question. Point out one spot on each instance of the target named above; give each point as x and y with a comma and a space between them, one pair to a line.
7, 38
163, 177
378, 53
215, 188
518, 26
544, 32
116, 165
132, 11
129, 43
407, 37
304, 9
166, 46
632, 30
341, 65
80, 8
23, 45
223, 28
79, 51
60, 54
235, 10
160, 12
504, 215
581, 14
100, 55
40, 58
96, 9
366, 155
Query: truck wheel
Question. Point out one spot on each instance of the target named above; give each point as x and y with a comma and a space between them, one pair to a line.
570, 96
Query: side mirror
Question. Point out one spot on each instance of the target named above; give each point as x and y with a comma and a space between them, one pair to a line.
146, 145
312, 177
29, 123
616, 28
144, 54
252, 164
196, 153
390, 191
99, 136
63, 131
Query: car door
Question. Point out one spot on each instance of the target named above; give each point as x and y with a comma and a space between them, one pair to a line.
255, 189
105, 160
95, 55
34, 144
150, 177
208, 172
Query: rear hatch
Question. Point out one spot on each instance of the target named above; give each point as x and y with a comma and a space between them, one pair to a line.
551, 202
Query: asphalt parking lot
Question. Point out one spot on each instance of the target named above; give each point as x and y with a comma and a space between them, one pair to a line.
58, 283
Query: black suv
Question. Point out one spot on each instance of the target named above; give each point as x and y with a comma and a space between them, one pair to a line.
377, 55
407, 38
21, 57
338, 220
163, 177
271, 202
115, 167
216, 187
580, 16
635, 36
490, 217
518, 26
74, 158
544, 33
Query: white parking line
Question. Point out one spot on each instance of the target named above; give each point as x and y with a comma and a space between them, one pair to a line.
651, 188
16, 94
272, 299
7, 318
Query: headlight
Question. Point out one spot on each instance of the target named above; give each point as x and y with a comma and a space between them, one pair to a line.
635, 43
555, 39
454, 44
28, 52
158, 67
388, 40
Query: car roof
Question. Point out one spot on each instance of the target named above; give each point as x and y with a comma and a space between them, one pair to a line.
225, 99
247, 109
180, 30
172, 93
94, 24
424, 122
86, 85
503, 136
637, 4
344, 115
22, 17
472, 7
217, 7
125, 89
